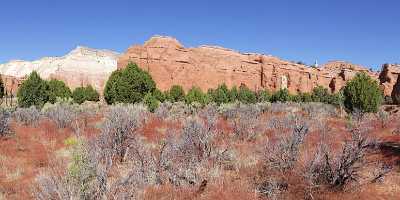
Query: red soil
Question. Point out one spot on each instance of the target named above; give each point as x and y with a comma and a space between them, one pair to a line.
28, 151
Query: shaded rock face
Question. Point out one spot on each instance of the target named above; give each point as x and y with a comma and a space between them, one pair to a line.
82, 66
170, 63
390, 81
389, 77
396, 91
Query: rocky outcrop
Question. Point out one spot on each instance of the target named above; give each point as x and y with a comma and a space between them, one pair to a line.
170, 63
80, 67
345, 71
396, 91
389, 77
390, 81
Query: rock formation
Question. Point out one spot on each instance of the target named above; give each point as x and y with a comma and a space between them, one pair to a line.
80, 67
170, 63
389, 77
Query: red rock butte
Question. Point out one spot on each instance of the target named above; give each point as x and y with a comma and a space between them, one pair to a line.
170, 63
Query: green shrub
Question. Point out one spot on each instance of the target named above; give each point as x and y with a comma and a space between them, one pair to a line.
281, 95
264, 96
320, 94
128, 85
246, 95
176, 93
296, 98
110, 89
82, 94
151, 102
305, 97
33, 91
160, 96
219, 95
362, 93
196, 95
337, 99
233, 94
58, 89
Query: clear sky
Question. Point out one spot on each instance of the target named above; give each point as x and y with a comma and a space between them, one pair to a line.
364, 32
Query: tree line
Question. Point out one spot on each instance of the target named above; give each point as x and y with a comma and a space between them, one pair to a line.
134, 85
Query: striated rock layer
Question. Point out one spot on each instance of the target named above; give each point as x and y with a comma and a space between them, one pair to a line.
170, 63
80, 67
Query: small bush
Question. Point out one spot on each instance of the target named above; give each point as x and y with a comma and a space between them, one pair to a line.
245, 123
336, 170
337, 99
281, 96
58, 89
128, 85
305, 97
27, 116
363, 93
176, 93
264, 96
120, 125
246, 95
283, 154
61, 114
33, 92
151, 102
196, 95
233, 94
160, 96
296, 98
82, 94
4, 122
220, 95
320, 94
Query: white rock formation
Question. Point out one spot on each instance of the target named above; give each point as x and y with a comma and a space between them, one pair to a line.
80, 67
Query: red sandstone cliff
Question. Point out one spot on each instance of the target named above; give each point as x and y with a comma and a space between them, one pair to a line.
170, 63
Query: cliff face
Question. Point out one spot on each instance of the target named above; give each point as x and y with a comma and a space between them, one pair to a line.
80, 67
388, 78
170, 63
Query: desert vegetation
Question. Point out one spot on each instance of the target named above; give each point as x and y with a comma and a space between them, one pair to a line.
225, 143
228, 151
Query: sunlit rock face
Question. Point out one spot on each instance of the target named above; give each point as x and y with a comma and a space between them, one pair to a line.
81, 67
170, 63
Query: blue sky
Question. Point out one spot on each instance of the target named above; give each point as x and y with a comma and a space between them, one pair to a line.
365, 32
